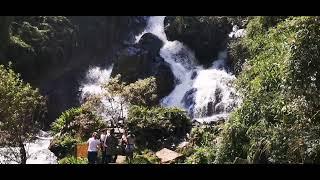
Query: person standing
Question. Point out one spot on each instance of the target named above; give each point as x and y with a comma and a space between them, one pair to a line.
93, 146
111, 143
128, 141
102, 139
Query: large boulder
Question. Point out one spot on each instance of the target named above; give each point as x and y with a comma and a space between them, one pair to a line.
205, 35
133, 63
151, 43
168, 156
142, 60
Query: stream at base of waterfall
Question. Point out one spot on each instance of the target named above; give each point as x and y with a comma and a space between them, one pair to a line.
37, 152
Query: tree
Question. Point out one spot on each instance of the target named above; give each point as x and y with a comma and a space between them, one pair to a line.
118, 96
20, 112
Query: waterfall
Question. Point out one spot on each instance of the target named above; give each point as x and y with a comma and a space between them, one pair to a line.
207, 94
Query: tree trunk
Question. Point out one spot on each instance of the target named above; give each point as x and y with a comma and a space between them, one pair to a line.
23, 154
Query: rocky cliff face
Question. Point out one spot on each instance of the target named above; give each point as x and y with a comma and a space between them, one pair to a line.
54, 52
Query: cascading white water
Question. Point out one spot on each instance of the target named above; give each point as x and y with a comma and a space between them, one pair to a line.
206, 93
37, 152
93, 82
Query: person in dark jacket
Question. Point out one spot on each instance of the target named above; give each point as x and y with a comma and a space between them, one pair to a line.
110, 144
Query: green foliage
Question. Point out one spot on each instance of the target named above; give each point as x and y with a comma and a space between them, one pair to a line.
202, 146
73, 160
278, 119
66, 117
241, 49
153, 125
261, 24
204, 135
64, 145
202, 155
77, 122
145, 157
19, 42
37, 44
238, 53
141, 92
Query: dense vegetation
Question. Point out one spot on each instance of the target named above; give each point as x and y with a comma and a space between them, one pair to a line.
278, 120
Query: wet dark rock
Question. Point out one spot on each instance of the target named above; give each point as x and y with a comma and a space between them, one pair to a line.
194, 75
142, 60
188, 98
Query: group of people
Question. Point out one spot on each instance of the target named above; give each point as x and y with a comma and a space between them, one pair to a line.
109, 145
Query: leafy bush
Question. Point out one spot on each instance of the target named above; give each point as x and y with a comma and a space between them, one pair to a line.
63, 145
153, 125
142, 92
237, 54
66, 117
73, 160
261, 24
202, 145
204, 135
202, 155
77, 122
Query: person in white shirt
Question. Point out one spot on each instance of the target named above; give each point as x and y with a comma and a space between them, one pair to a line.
93, 147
